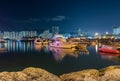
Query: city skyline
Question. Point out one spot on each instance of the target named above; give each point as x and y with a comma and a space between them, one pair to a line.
69, 15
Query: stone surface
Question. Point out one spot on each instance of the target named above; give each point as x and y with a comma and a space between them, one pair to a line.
111, 73
13, 76
28, 74
85, 75
40, 74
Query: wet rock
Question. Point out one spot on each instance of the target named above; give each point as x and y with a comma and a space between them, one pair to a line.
28, 74
13, 76
40, 74
85, 75
111, 73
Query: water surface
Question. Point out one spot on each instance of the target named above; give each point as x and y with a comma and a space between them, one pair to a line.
17, 55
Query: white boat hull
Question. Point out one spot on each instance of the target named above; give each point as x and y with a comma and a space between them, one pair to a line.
66, 46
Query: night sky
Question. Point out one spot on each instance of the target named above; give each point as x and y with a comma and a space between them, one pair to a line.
69, 15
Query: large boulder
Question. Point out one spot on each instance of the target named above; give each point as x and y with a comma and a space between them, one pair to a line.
85, 75
28, 74
14, 76
38, 74
111, 73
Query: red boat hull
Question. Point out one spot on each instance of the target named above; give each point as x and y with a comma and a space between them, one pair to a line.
109, 54
106, 50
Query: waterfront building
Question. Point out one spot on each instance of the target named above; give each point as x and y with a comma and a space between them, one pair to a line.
12, 35
96, 35
34, 34
17, 35
6, 35
55, 30
28, 34
79, 32
0, 34
20, 34
46, 34
107, 36
116, 30
66, 35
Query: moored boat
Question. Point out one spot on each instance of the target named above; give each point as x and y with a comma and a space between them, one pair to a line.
108, 49
61, 43
38, 41
44, 42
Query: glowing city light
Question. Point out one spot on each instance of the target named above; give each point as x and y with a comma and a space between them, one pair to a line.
106, 33
96, 33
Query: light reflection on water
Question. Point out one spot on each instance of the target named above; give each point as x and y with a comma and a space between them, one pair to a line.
96, 48
58, 53
62, 60
30, 47
17, 46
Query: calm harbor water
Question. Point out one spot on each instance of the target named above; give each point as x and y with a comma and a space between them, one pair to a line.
17, 55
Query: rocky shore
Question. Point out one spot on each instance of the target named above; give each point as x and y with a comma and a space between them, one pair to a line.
111, 73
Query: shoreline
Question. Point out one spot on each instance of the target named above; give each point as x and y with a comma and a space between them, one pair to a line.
110, 73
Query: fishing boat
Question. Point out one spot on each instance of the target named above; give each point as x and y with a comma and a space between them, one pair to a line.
108, 49
44, 42
38, 41
61, 43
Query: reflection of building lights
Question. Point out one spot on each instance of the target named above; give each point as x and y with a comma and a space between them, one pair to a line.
24, 47
110, 58
112, 37
37, 47
46, 49
17, 46
28, 45
96, 48
5, 45
60, 53
104, 36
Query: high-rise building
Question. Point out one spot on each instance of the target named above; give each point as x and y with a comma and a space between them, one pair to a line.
79, 32
17, 35
116, 30
46, 34
6, 34
55, 29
